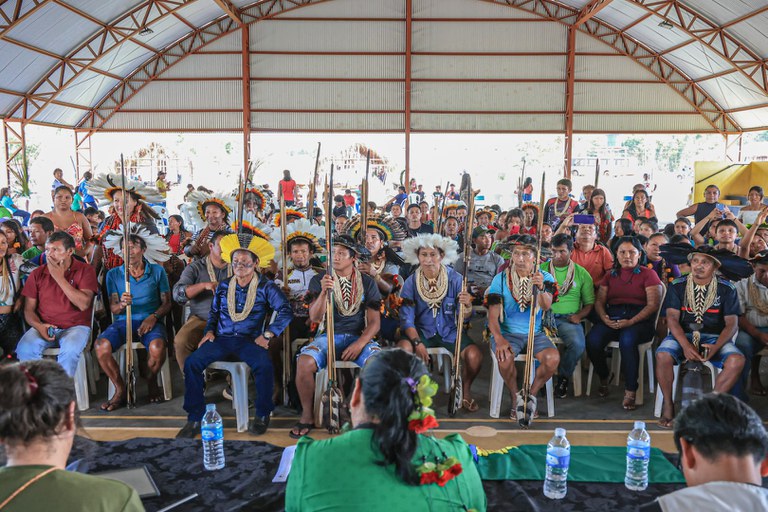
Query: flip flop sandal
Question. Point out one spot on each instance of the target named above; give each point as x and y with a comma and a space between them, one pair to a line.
525, 414
629, 401
470, 405
666, 423
295, 432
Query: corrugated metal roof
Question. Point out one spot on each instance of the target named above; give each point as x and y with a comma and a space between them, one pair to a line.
343, 63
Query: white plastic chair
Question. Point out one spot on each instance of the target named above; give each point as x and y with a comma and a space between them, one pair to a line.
497, 387
163, 377
713, 372
239, 372
321, 383
440, 354
81, 377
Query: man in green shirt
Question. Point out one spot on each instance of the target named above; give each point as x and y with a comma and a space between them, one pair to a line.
576, 296
40, 228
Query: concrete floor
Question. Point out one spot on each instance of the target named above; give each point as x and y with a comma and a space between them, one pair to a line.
589, 420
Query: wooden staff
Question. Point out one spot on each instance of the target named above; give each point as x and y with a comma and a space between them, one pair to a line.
364, 202
130, 366
521, 188
241, 186
439, 216
597, 171
313, 191
287, 332
456, 394
332, 397
532, 320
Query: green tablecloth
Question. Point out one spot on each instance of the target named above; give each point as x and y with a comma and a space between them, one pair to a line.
588, 464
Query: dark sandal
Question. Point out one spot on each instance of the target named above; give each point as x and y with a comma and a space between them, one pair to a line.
470, 405
666, 423
295, 432
629, 401
758, 391
113, 405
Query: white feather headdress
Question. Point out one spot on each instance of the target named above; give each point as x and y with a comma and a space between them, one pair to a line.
157, 247
448, 247
200, 200
104, 186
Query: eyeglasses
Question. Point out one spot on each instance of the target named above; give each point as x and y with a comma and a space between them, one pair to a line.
236, 264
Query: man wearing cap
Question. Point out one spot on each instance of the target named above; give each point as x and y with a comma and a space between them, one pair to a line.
575, 300
510, 305
431, 299
356, 316
415, 226
702, 315
196, 287
239, 325
753, 321
214, 211
483, 264
150, 301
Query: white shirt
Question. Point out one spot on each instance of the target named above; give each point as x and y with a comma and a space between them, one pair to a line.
753, 315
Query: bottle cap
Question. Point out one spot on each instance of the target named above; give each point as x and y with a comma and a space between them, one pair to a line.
210, 407
639, 425
560, 432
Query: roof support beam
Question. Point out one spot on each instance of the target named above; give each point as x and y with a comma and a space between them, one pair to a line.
590, 10
407, 102
15, 148
11, 15
230, 10
83, 154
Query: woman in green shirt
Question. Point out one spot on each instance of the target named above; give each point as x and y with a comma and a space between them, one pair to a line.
385, 463
37, 428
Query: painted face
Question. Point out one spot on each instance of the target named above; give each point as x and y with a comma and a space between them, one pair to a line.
243, 264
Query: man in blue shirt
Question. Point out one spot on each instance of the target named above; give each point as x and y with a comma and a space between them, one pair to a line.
432, 296
510, 298
237, 326
150, 301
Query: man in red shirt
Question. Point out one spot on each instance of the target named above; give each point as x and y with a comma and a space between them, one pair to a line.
63, 319
596, 258
288, 188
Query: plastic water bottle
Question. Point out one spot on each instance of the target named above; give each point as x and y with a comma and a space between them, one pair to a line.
558, 460
213, 439
693, 382
638, 456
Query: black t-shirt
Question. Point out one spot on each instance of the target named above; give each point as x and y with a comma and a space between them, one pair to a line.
726, 303
424, 228
354, 324
339, 210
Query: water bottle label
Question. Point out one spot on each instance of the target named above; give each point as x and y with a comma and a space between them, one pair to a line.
213, 433
561, 461
637, 452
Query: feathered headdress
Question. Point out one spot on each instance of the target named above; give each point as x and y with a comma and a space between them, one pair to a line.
104, 186
390, 229
486, 211
305, 231
157, 247
252, 226
291, 214
350, 243
451, 205
530, 206
263, 250
449, 248
731, 266
201, 200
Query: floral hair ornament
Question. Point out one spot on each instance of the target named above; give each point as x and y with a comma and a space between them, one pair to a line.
422, 418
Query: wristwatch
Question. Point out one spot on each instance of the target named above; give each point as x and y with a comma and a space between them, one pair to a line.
415, 342
268, 335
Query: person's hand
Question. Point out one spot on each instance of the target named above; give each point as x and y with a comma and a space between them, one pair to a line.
147, 325
503, 349
465, 298
42, 330
715, 214
286, 290
56, 269
568, 221
262, 342
763, 338
365, 268
762, 216
209, 336
690, 353
125, 300
353, 351
18, 305
211, 287
727, 213
326, 283
421, 353
622, 324
538, 280
574, 319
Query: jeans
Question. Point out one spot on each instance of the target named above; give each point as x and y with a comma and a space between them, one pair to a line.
220, 349
629, 339
748, 346
572, 336
318, 349
71, 343
23, 215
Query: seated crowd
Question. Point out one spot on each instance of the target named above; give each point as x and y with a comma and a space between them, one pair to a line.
700, 288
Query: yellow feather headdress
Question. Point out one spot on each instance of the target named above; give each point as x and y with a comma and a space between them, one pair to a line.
245, 242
